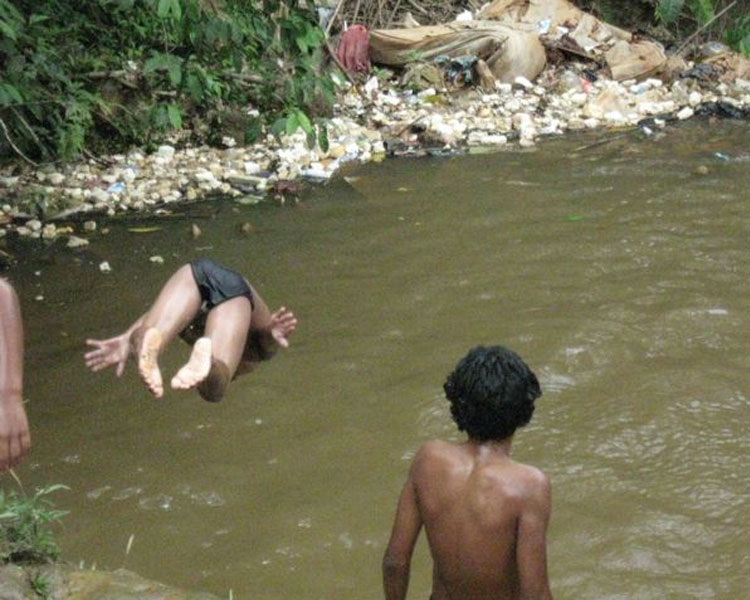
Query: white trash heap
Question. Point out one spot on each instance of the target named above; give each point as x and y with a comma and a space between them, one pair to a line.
518, 113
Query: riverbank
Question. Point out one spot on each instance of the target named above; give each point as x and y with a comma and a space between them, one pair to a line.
371, 121
62, 581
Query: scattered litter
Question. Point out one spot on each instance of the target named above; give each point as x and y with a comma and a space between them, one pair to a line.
143, 229
722, 156
104, 267
353, 51
195, 231
159, 260
116, 188
76, 242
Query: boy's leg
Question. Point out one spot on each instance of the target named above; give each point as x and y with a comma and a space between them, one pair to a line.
215, 356
174, 308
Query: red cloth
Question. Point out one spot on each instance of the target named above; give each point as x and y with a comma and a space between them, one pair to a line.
354, 49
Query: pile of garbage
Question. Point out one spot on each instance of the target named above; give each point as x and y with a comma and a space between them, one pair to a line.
513, 73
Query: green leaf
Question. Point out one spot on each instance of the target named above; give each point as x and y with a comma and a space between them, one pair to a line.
667, 11
169, 8
8, 31
323, 138
37, 19
304, 122
703, 10
175, 116
253, 131
278, 127
194, 87
292, 123
12, 92
175, 73
163, 9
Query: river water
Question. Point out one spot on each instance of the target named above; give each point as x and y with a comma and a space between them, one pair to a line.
616, 271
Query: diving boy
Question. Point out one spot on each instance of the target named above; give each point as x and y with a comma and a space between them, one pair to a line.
217, 311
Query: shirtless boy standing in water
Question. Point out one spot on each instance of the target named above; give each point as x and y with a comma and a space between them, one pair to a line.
485, 515
214, 309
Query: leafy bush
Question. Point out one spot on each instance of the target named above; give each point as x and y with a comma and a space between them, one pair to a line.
685, 17
24, 535
133, 70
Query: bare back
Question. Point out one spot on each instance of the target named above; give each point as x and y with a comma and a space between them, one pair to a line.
472, 499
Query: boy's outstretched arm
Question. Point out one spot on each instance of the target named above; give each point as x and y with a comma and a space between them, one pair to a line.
265, 339
531, 546
15, 440
397, 557
112, 351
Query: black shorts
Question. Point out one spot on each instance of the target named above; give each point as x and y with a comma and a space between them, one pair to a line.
218, 284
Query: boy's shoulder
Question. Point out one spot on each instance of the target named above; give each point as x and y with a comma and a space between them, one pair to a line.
435, 449
533, 481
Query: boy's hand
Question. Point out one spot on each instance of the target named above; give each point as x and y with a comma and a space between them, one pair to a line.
14, 432
114, 351
283, 323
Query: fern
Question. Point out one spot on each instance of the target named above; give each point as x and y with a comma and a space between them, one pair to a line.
703, 10
668, 11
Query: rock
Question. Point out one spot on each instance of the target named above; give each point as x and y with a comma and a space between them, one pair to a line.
195, 231
246, 228
89, 226
685, 113
165, 153
523, 83
34, 224
701, 170
55, 178
49, 231
245, 180
570, 82
76, 242
251, 168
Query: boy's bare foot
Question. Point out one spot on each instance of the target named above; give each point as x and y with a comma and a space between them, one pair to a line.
197, 367
147, 362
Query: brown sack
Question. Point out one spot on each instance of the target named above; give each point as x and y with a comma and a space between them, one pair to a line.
626, 59
508, 52
635, 60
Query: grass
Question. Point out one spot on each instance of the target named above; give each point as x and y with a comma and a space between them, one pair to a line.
25, 536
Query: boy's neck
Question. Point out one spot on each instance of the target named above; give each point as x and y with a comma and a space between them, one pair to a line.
500, 447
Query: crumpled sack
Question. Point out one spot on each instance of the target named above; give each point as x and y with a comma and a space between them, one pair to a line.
353, 50
626, 57
508, 52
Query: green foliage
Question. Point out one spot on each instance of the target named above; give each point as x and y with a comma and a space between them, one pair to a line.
685, 17
134, 70
41, 585
668, 11
703, 10
739, 36
24, 532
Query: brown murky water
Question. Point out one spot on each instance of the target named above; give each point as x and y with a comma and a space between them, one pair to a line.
620, 275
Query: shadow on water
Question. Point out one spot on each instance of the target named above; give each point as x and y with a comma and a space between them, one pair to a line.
620, 274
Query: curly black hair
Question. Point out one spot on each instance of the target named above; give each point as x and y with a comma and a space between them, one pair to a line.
492, 393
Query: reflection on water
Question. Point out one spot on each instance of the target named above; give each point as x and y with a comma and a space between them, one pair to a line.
620, 274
